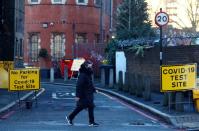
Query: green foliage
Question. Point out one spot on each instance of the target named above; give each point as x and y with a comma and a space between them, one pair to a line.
138, 49
43, 53
132, 20
110, 51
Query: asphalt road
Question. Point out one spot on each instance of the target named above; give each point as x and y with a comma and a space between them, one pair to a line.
58, 100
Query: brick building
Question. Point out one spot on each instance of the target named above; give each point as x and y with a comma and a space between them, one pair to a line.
57, 25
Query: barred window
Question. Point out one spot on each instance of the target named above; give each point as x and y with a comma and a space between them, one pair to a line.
81, 38
58, 46
34, 44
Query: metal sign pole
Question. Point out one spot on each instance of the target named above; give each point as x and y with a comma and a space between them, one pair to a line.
169, 94
160, 42
161, 19
18, 99
161, 54
35, 95
189, 93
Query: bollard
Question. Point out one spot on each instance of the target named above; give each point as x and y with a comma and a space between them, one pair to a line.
103, 77
65, 73
132, 84
28, 104
136, 83
111, 78
51, 74
147, 88
169, 96
126, 82
139, 85
165, 99
171, 100
179, 105
120, 82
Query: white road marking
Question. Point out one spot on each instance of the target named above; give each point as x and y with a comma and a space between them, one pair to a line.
73, 94
55, 96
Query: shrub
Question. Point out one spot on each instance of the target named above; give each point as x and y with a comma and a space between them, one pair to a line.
43, 53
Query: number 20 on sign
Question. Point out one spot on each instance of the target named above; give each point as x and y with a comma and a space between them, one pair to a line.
161, 18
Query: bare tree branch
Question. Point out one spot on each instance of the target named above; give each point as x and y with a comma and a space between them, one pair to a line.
192, 13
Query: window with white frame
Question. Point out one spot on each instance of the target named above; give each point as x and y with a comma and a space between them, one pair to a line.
58, 46
58, 1
82, 2
34, 1
34, 46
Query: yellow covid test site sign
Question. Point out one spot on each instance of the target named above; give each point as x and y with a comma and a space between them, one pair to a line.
178, 77
24, 79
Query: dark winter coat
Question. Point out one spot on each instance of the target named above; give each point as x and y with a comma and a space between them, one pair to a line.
85, 89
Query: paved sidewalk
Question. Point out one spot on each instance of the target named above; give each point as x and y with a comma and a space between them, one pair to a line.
187, 119
10, 99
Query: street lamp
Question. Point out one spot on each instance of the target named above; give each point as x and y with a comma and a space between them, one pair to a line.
113, 36
101, 22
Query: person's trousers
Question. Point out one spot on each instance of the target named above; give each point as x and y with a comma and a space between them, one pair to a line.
80, 108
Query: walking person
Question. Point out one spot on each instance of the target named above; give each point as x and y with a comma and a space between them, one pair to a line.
84, 94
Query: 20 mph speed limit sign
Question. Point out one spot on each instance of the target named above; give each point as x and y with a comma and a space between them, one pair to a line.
161, 18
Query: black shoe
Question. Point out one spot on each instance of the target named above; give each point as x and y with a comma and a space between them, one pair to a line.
94, 124
69, 121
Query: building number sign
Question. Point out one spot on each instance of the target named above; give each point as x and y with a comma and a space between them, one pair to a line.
161, 18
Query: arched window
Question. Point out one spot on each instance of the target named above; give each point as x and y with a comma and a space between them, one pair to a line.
34, 44
58, 48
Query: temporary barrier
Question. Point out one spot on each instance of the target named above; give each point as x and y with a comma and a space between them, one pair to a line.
71, 66
196, 98
66, 65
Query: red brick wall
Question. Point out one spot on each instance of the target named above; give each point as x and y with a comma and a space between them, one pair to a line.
150, 63
86, 19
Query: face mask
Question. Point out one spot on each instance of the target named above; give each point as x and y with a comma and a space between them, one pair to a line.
89, 66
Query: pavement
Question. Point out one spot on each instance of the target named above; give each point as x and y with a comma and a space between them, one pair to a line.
189, 119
